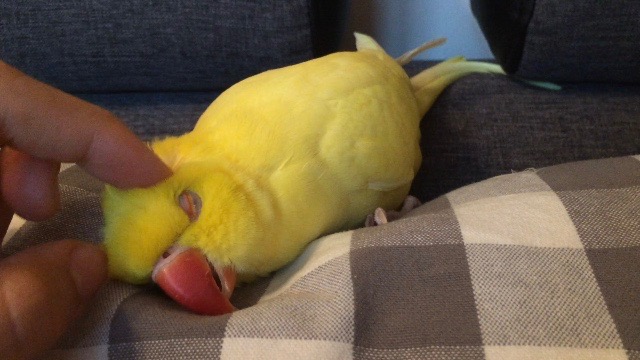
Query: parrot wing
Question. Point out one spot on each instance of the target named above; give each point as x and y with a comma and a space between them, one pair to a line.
354, 111
371, 142
370, 145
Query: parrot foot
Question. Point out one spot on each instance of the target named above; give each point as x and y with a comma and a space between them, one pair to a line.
380, 216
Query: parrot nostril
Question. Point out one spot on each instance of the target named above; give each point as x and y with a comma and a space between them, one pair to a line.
170, 251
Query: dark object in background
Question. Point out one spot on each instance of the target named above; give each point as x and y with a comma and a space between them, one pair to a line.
564, 40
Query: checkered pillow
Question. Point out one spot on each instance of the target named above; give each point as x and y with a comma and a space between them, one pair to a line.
542, 264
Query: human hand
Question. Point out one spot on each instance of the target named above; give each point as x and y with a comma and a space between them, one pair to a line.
43, 289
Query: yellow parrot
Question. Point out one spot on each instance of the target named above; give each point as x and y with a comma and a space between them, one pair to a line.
276, 161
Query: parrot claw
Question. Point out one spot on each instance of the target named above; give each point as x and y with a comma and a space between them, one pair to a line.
381, 217
378, 217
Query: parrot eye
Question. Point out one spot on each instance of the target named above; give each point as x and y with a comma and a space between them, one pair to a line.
191, 203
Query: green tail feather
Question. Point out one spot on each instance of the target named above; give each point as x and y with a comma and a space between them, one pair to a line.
540, 84
429, 83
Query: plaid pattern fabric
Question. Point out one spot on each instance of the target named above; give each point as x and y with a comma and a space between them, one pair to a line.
541, 264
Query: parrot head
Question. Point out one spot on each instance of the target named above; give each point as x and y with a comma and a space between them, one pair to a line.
193, 234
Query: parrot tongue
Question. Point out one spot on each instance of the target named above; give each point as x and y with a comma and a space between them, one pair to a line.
185, 276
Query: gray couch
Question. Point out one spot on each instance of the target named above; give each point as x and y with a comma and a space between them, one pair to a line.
484, 126
527, 245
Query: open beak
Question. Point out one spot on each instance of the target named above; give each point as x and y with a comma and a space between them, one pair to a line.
185, 276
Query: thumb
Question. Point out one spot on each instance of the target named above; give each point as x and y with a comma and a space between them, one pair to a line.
43, 289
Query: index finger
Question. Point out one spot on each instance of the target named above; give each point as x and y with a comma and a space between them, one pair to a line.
50, 124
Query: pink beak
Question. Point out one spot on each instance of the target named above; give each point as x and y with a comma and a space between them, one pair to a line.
185, 276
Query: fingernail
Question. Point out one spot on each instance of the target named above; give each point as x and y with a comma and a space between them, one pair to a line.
89, 269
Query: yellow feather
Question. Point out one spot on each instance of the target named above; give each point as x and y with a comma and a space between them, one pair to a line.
280, 159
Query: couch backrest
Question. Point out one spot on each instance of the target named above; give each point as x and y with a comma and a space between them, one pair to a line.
152, 45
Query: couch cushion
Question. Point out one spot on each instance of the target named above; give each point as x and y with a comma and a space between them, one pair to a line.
568, 40
487, 125
527, 265
481, 126
106, 46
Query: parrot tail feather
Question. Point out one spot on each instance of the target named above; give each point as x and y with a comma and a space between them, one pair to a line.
366, 42
406, 58
429, 83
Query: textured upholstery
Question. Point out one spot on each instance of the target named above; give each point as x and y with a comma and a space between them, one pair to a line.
534, 265
484, 125
136, 45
